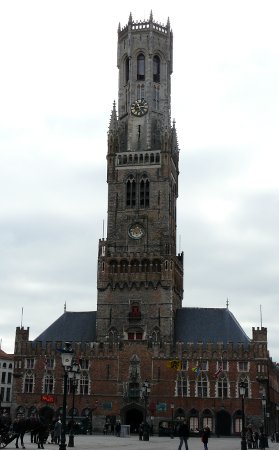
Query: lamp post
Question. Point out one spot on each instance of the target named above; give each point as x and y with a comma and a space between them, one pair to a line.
66, 356
242, 390
172, 408
145, 393
74, 375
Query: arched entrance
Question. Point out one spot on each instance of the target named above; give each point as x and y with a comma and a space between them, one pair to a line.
223, 423
133, 417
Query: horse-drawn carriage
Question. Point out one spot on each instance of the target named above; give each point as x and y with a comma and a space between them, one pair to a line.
6, 436
20, 427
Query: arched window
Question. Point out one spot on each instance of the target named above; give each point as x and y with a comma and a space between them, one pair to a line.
48, 384
84, 384
202, 385
155, 336
131, 192
144, 192
140, 67
238, 421
28, 383
207, 419
222, 387
127, 70
181, 385
156, 69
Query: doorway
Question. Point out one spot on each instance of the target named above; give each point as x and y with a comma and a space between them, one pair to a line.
223, 423
134, 417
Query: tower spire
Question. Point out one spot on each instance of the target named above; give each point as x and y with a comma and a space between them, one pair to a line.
113, 124
174, 148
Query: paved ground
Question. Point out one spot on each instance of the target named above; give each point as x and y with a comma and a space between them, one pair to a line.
98, 442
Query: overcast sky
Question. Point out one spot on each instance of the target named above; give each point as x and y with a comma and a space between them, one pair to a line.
58, 81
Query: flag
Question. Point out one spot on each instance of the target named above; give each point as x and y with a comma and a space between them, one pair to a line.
174, 364
218, 371
196, 370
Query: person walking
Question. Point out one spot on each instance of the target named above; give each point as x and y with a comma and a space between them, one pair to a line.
57, 431
141, 431
262, 440
19, 428
118, 428
205, 436
183, 433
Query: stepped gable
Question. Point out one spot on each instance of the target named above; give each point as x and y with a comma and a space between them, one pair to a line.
208, 325
71, 326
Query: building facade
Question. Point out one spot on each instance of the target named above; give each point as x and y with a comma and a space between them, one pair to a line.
6, 381
142, 355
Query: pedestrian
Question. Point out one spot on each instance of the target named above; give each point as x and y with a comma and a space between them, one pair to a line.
249, 437
19, 429
205, 436
57, 431
141, 431
33, 430
118, 428
183, 433
255, 439
262, 441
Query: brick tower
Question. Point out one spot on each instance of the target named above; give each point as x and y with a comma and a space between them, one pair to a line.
140, 274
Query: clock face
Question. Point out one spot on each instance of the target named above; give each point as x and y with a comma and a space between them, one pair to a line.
139, 108
136, 231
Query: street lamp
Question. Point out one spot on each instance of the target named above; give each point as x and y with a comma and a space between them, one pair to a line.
74, 376
242, 390
145, 393
66, 356
172, 408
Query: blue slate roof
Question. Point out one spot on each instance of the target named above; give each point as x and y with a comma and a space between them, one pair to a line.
72, 327
191, 325
208, 325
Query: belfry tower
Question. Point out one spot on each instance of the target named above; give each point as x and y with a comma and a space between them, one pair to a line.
140, 274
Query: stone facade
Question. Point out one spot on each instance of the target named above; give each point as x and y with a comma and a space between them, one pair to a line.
140, 285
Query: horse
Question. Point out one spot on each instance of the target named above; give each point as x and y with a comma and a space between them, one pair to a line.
39, 425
